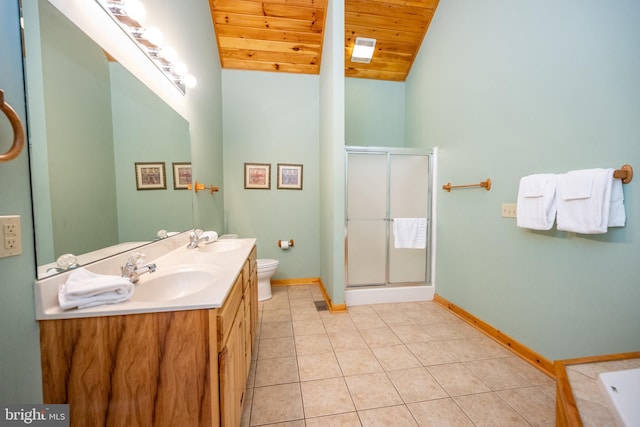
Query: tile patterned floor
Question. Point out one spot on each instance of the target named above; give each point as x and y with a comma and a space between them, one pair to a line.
402, 364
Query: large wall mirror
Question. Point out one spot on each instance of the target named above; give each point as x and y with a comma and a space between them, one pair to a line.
90, 122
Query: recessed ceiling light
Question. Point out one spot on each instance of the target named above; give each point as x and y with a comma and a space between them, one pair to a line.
363, 50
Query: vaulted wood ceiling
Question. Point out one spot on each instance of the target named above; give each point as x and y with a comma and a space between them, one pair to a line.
287, 35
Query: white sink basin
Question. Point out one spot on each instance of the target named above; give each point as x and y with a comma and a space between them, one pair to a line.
221, 246
175, 282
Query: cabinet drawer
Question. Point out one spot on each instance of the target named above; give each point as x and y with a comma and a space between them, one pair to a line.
253, 260
228, 311
245, 276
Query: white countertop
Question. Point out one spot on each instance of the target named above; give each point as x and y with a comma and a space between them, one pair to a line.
225, 258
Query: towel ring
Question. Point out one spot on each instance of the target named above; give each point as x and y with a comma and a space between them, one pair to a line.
18, 131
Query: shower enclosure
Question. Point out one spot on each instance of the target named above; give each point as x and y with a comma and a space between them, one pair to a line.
383, 184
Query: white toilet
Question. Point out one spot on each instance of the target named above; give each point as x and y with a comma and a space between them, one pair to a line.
266, 269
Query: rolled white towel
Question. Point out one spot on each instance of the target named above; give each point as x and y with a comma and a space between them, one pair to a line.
212, 236
85, 289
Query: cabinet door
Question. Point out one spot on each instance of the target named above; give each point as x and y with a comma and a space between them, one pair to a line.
231, 365
248, 336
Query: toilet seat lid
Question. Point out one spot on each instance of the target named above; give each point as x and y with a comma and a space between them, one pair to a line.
267, 263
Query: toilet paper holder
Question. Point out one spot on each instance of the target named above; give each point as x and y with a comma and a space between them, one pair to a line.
290, 242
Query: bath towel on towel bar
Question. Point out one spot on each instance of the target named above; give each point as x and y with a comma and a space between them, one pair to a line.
585, 201
86, 289
536, 202
410, 233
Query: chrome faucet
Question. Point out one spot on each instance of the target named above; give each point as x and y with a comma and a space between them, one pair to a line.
195, 238
134, 268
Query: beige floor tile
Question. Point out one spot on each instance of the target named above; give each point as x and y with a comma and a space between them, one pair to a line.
326, 397
318, 366
313, 344
281, 370
496, 373
411, 333
276, 347
397, 416
424, 317
276, 330
477, 348
395, 357
338, 322
350, 419
246, 408
305, 313
308, 327
457, 380
433, 352
372, 391
415, 385
548, 389
348, 340
529, 373
396, 318
438, 413
364, 320
487, 409
356, 362
303, 303
380, 337
594, 414
297, 423
279, 315
445, 330
361, 309
276, 404
535, 407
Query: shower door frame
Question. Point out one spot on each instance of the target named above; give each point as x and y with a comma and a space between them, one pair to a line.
389, 151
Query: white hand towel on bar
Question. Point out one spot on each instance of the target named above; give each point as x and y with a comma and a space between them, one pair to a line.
410, 233
86, 289
584, 200
536, 204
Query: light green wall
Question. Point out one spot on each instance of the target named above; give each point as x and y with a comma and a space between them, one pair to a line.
374, 113
20, 354
273, 118
146, 129
332, 158
507, 89
76, 72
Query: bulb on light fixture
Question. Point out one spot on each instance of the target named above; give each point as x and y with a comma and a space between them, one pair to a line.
190, 81
168, 53
180, 68
153, 35
134, 9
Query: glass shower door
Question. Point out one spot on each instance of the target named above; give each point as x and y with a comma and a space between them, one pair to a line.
367, 219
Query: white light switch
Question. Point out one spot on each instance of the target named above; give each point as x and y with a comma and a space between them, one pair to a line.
11, 243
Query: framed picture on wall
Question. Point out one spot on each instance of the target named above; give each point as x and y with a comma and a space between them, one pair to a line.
257, 176
150, 176
181, 175
289, 176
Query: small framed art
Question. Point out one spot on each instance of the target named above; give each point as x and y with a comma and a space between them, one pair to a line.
257, 176
150, 176
289, 176
181, 175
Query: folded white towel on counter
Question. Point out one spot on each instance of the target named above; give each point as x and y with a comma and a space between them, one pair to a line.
617, 215
584, 200
410, 233
86, 289
212, 236
536, 204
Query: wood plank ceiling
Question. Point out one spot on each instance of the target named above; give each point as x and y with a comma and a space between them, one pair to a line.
287, 35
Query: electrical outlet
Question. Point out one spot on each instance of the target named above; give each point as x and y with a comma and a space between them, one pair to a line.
509, 210
11, 240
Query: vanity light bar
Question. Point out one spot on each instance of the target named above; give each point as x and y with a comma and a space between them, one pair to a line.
128, 14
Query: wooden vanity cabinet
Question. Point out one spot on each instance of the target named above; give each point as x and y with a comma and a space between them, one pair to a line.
175, 368
237, 321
